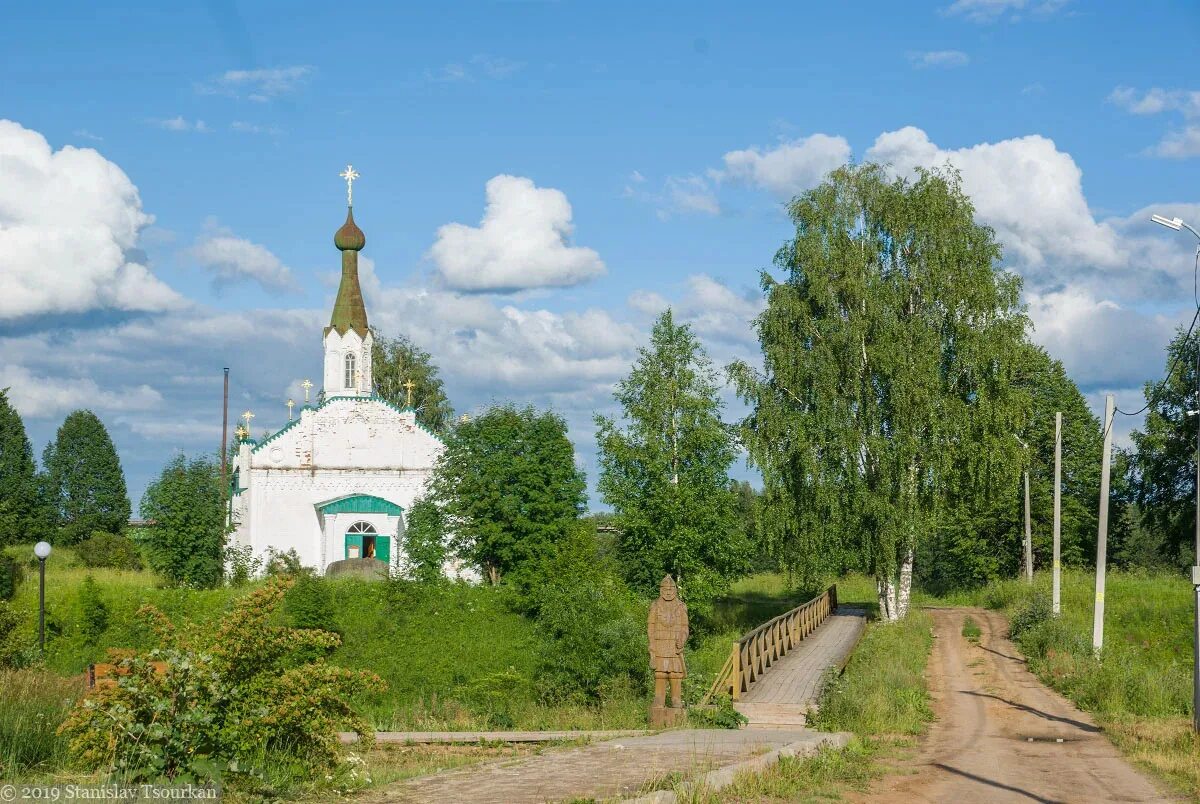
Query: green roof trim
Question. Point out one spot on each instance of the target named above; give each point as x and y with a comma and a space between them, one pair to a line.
361, 504
371, 398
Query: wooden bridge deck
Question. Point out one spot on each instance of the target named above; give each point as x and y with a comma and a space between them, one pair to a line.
785, 693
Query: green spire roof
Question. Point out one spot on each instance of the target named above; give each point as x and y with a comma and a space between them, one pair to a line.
349, 312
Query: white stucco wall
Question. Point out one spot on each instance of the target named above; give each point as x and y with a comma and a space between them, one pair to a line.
348, 446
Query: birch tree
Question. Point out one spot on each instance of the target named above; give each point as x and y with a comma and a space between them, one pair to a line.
664, 470
888, 348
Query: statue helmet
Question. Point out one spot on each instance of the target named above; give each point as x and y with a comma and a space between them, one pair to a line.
668, 583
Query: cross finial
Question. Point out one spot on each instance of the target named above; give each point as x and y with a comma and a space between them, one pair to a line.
291, 403
349, 174
409, 386
242, 432
307, 384
247, 416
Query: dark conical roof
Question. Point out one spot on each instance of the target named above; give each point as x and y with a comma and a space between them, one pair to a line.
349, 311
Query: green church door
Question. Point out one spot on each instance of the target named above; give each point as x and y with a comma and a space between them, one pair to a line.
363, 542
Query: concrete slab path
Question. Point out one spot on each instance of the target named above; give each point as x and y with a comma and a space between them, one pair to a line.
783, 695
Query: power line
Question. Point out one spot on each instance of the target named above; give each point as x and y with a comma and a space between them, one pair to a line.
1152, 399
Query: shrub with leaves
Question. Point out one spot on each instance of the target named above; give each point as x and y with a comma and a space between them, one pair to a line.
241, 564
94, 618
112, 550
10, 576
234, 694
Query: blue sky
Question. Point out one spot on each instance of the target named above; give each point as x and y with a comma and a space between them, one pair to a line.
538, 179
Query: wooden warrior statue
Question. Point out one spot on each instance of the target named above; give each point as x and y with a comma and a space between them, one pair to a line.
668, 631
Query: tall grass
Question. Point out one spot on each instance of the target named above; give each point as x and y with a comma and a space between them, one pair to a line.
32, 704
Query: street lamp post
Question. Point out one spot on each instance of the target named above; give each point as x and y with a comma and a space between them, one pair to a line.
42, 551
1177, 224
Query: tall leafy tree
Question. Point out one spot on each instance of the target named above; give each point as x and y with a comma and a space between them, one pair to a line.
665, 470
187, 542
888, 352
19, 488
1164, 463
507, 489
85, 487
398, 361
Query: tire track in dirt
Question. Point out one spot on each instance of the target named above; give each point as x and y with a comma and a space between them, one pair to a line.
1000, 735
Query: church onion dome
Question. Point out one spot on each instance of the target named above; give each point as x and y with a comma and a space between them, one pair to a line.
350, 237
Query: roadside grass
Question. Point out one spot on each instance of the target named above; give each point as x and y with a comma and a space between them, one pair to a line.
32, 704
1140, 690
971, 630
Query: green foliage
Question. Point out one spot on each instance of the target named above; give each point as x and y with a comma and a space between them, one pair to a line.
85, 487
882, 690
721, 714
1164, 466
508, 489
95, 613
19, 490
396, 361
10, 575
285, 564
112, 550
32, 704
665, 472
1034, 610
971, 630
187, 505
241, 564
232, 694
890, 351
11, 651
595, 628
425, 542
309, 604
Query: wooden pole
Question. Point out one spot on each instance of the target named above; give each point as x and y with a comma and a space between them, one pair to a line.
224, 435
1056, 567
1028, 535
1102, 534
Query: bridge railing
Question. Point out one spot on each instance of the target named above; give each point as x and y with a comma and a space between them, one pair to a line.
753, 654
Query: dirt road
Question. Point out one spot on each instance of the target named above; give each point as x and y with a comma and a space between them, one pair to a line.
1000, 735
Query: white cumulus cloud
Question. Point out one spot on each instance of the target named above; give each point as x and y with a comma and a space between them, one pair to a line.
790, 167
986, 11
69, 227
233, 259
1178, 143
522, 242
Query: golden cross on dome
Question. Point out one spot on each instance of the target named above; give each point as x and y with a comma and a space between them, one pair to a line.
247, 416
242, 432
306, 385
349, 174
409, 386
291, 403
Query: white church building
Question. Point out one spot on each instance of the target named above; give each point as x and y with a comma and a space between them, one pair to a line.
336, 482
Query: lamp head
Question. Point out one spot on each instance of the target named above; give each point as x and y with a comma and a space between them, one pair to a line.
1170, 223
42, 550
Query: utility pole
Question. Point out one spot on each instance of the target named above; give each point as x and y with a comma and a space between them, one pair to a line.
1102, 535
1196, 570
224, 435
1056, 567
1028, 535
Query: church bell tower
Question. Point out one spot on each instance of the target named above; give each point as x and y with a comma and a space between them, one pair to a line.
348, 340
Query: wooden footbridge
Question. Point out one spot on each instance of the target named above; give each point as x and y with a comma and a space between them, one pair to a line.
774, 673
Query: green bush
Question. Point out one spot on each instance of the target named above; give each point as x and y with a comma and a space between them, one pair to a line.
595, 628
309, 604
93, 611
11, 653
241, 564
10, 575
1030, 614
237, 701
721, 715
32, 704
104, 549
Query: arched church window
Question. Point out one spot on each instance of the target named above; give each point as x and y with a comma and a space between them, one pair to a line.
350, 383
362, 527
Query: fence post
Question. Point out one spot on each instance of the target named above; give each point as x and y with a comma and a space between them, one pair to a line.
833, 597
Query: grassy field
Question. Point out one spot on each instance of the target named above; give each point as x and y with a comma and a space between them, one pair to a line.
1140, 690
453, 657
